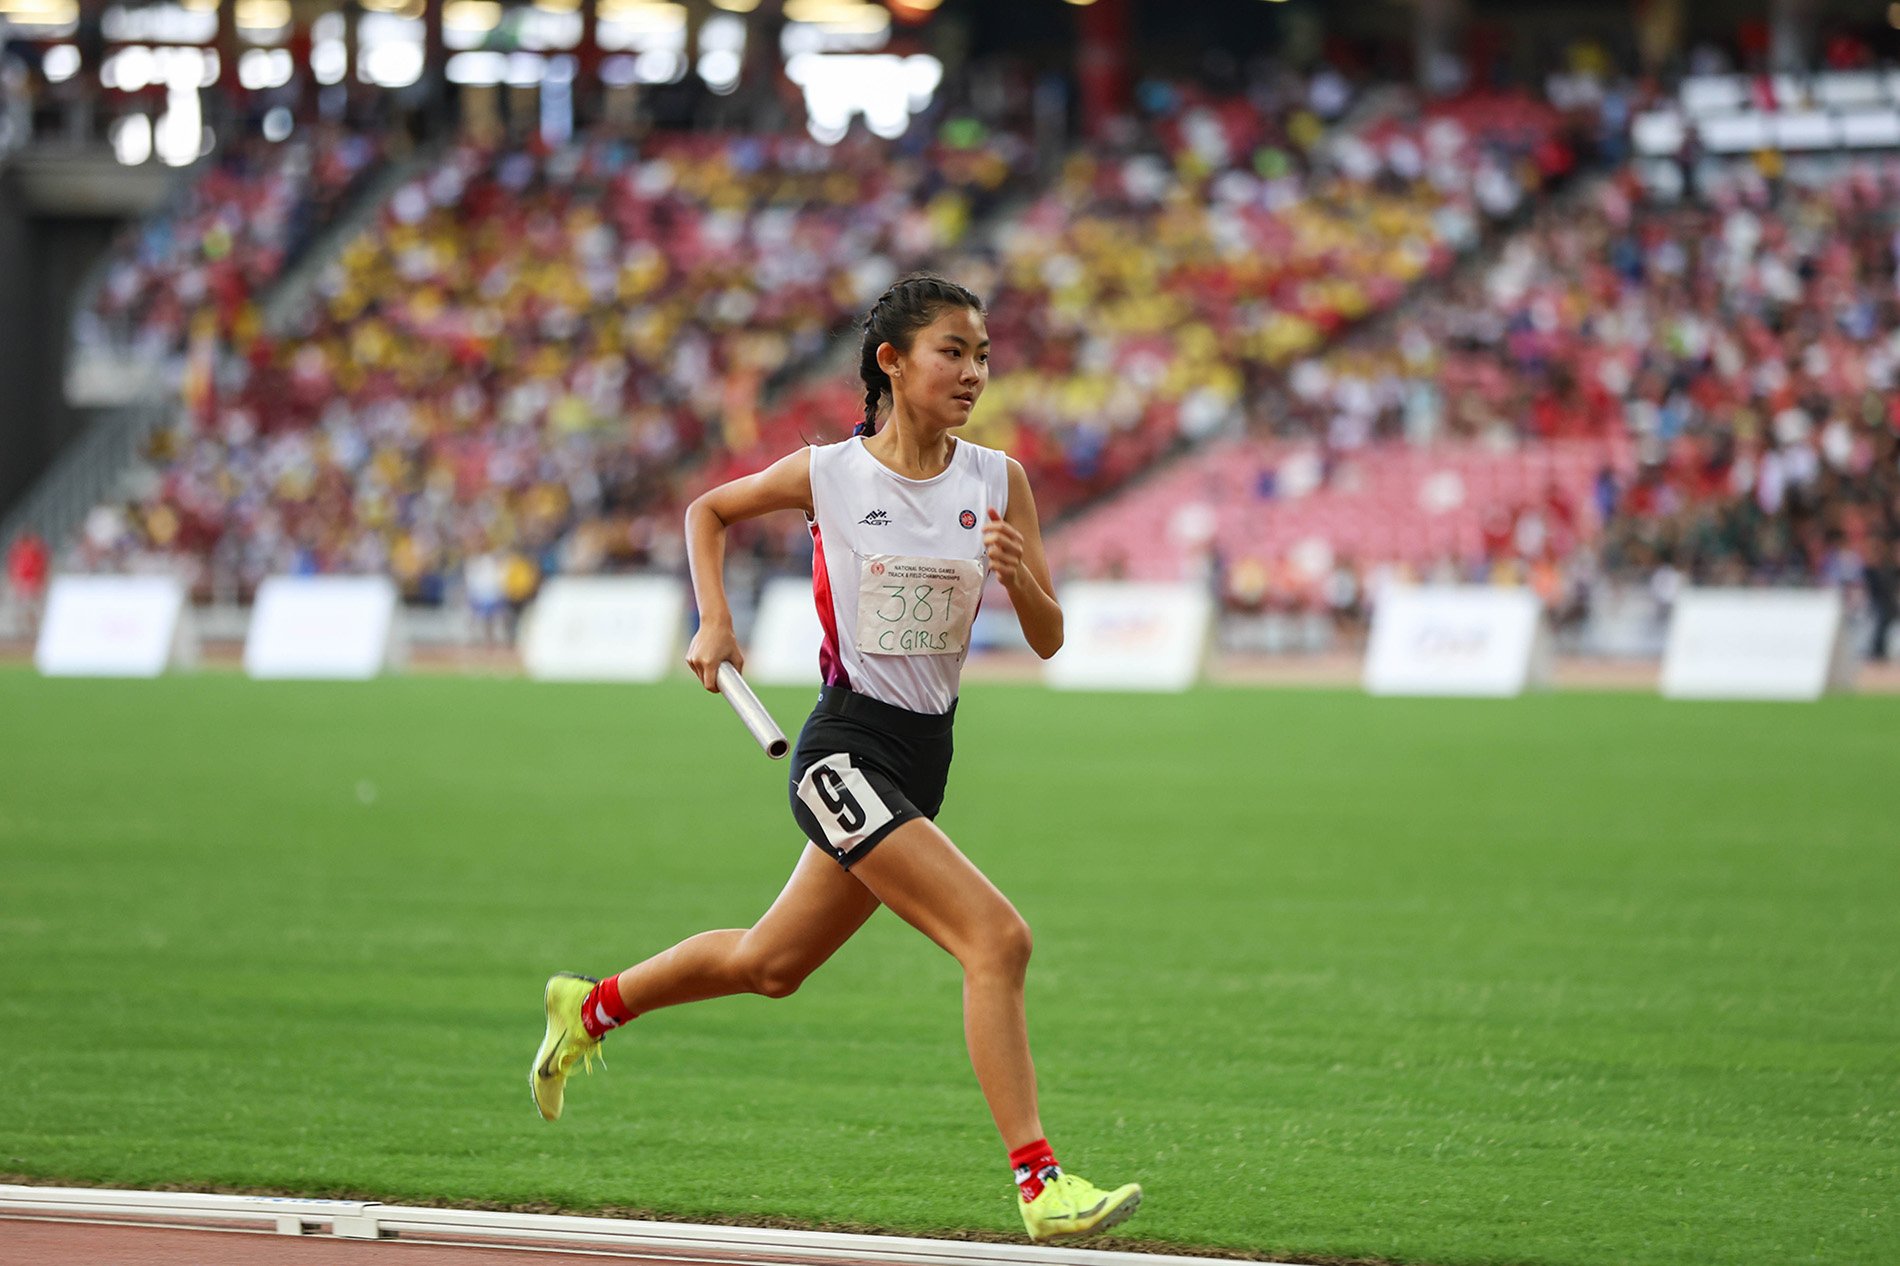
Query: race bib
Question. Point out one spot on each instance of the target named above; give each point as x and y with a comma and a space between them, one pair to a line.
843, 801
916, 606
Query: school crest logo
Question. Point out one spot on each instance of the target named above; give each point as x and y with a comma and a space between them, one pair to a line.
967, 518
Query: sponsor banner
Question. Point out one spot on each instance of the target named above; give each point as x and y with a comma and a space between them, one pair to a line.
1756, 644
1457, 640
783, 648
115, 626
1131, 636
604, 628
340, 628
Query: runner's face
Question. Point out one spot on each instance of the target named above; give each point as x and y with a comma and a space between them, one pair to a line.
943, 375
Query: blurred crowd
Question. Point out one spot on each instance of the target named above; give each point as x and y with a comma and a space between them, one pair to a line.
1737, 356
1148, 296
193, 274
512, 370
1765, 405
1142, 299
535, 355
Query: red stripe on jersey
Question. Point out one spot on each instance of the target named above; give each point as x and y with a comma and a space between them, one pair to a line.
830, 661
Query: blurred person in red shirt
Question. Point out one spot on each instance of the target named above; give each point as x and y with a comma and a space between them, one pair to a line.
27, 563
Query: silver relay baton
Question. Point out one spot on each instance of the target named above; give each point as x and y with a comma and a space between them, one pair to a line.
752, 712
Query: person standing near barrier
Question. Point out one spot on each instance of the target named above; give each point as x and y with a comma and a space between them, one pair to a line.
1881, 578
906, 523
27, 566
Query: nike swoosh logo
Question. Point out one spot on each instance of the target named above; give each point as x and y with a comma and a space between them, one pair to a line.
1086, 1213
547, 1065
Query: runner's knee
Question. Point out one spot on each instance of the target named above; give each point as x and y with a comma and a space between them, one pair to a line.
777, 982
1003, 949
773, 975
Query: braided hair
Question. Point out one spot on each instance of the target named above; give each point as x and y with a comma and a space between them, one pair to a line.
910, 304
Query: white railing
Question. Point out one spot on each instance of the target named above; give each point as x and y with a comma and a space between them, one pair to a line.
352, 1219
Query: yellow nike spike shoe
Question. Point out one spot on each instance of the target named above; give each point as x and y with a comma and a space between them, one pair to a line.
1070, 1206
565, 1044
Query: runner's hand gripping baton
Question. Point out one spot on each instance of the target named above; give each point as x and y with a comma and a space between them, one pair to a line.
752, 712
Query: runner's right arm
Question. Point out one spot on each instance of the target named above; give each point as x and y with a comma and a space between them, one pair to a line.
784, 485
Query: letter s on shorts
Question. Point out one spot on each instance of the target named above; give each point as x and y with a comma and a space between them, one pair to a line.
845, 804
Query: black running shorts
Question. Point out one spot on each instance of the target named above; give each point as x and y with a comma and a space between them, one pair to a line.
863, 768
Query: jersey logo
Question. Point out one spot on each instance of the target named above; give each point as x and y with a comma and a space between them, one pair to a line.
967, 518
877, 518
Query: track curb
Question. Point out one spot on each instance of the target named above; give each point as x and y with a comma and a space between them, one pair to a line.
371, 1220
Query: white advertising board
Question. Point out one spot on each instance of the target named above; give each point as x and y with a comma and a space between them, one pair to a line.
341, 628
604, 628
1131, 636
115, 626
1457, 640
1756, 644
783, 648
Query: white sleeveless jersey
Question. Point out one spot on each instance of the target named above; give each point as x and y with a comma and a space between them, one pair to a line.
897, 569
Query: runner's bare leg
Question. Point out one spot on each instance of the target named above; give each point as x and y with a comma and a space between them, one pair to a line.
928, 882
818, 911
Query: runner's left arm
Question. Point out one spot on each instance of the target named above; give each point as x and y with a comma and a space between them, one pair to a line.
1013, 540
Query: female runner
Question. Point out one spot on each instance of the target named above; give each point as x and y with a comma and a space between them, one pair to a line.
898, 567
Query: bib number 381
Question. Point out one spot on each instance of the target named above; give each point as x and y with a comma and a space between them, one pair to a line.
916, 606
846, 805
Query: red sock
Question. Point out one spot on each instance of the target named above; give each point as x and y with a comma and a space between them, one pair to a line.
603, 1011
1035, 1164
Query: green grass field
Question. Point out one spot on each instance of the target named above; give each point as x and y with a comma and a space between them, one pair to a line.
1584, 979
